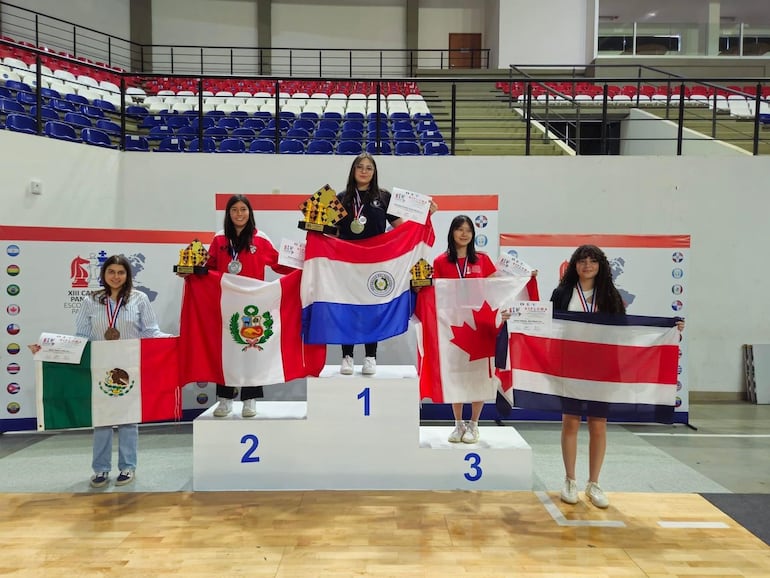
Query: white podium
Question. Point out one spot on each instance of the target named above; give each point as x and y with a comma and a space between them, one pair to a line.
354, 432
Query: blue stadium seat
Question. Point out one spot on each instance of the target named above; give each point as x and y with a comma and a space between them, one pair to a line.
133, 142
354, 116
216, 132
435, 148
209, 146
229, 123
353, 125
8, 106
329, 124
385, 148
320, 147
284, 124
187, 132
349, 147
176, 121
108, 126
372, 125
292, 146
46, 113
304, 124
256, 124
206, 121
91, 111
407, 148
244, 133
60, 130
21, 123
152, 121
351, 135
105, 105
404, 135
424, 125
403, 125
76, 99
232, 145
262, 145
26, 98
372, 135
171, 144
96, 137
430, 135
135, 111
325, 134
332, 116
160, 132
299, 134
17, 86
77, 119
267, 133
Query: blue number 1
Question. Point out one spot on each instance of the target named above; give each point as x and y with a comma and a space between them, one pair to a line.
365, 395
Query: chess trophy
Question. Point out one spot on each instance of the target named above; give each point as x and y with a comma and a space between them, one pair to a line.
322, 211
422, 274
192, 259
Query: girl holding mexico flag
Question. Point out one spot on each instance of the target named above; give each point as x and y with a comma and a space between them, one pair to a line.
117, 311
241, 249
586, 286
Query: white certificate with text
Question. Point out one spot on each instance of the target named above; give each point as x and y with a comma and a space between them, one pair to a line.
60, 348
409, 205
531, 317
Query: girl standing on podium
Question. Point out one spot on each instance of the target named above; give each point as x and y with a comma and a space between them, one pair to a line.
462, 261
241, 249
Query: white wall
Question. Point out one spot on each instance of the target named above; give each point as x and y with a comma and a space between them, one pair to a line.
552, 32
723, 204
491, 38
107, 16
440, 17
643, 133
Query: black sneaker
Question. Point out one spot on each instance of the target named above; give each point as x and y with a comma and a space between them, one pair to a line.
125, 477
100, 479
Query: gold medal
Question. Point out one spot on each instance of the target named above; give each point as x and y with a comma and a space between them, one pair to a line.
356, 227
112, 334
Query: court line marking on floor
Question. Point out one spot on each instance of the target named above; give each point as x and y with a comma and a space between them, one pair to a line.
559, 518
698, 435
710, 525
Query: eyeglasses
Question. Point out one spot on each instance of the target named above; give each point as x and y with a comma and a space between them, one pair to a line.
365, 168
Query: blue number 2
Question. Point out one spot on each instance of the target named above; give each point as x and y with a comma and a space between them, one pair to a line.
475, 460
365, 396
248, 457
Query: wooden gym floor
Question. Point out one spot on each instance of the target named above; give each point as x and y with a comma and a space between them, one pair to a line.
399, 534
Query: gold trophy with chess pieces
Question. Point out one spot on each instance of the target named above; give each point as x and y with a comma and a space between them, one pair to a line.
322, 211
422, 274
192, 259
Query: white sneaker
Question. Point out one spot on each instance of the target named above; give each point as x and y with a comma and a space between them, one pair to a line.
249, 408
569, 493
224, 408
346, 367
457, 434
596, 495
471, 435
370, 366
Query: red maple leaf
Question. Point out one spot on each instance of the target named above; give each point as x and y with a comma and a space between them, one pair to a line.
478, 343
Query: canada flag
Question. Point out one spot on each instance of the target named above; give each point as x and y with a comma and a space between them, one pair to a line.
459, 321
244, 332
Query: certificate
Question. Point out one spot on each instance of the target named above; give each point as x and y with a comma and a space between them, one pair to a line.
531, 317
409, 205
511, 265
60, 348
292, 253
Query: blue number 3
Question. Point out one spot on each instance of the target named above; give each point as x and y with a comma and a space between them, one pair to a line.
475, 460
248, 457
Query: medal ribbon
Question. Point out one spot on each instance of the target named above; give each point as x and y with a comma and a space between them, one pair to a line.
584, 302
464, 270
358, 206
233, 252
112, 316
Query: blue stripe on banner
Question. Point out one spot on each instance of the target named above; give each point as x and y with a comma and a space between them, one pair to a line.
619, 320
635, 412
344, 323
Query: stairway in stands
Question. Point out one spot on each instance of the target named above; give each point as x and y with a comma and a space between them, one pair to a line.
485, 124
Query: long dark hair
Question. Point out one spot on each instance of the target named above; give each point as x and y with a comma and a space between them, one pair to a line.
350, 189
242, 241
104, 293
451, 250
606, 296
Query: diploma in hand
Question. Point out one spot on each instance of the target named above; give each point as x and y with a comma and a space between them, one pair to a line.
192, 259
322, 211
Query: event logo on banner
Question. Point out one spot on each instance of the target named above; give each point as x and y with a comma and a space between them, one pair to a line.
649, 272
69, 260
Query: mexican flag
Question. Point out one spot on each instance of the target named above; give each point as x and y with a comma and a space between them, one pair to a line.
116, 382
240, 331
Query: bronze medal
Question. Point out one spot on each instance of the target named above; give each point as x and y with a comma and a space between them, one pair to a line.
112, 334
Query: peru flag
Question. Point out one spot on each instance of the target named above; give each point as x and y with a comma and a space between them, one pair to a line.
459, 323
359, 292
623, 365
241, 331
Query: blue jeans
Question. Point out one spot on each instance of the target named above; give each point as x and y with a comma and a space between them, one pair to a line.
128, 438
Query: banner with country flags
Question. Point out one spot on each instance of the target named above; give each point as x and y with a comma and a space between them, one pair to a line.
622, 366
244, 332
359, 292
459, 323
116, 382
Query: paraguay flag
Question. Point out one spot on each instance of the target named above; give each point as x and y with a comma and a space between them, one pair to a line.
624, 366
359, 292
241, 331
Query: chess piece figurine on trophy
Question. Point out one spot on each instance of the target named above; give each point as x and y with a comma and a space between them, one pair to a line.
192, 259
422, 274
322, 211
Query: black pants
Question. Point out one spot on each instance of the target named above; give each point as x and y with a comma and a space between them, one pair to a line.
228, 392
371, 350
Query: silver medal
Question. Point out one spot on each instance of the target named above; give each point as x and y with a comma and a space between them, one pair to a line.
357, 227
234, 267
362, 220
